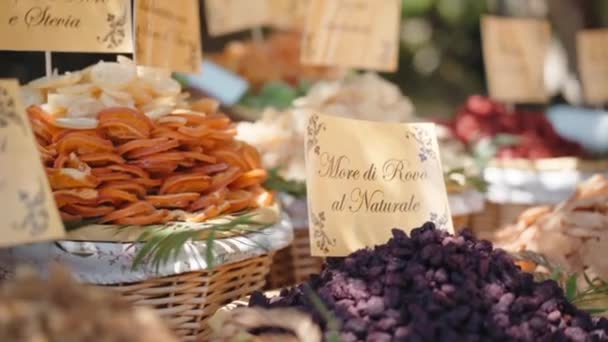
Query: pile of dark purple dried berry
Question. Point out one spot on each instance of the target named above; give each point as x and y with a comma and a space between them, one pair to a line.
433, 286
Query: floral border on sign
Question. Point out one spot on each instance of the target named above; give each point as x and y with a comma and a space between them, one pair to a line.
116, 33
440, 221
425, 143
36, 219
313, 130
322, 240
8, 112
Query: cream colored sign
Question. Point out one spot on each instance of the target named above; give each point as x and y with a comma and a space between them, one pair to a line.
66, 25
352, 33
168, 36
288, 14
514, 53
228, 16
27, 206
365, 178
592, 49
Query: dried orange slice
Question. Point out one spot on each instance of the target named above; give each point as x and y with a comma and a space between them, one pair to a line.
148, 182
223, 135
206, 105
113, 176
67, 178
128, 186
217, 121
115, 196
211, 168
98, 159
230, 157
182, 200
140, 143
130, 169
199, 157
124, 123
185, 183
61, 134
133, 209
214, 198
156, 148
75, 196
196, 132
87, 211
155, 167
223, 179
83, 143
239, 200
158, 216
250, 178
251, 157
167, 133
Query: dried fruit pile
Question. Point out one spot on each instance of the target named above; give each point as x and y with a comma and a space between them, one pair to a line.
140, 162
482, 117
436, 287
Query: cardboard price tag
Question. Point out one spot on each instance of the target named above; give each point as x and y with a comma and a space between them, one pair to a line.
66, 25
592, 50
27, 206
288, 14
357, 192
514, 53
168, 36
228, 16
352, 33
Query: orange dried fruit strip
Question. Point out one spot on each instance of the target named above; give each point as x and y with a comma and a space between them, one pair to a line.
83, 143
133, 209
124, 123
230, 157
65, 178
61, 134
140, 143
213, 198
155, 167
60, 161
129, 186
217, 121
164, 157
75, 196
69, 217
116, 196
251, 157
185, 183
158, 216
167, 133
211, 168
131, 169
113, 176
239, 200
148, 182
196, 132
155, 149
223, 179
181, 201
250, 178
199, 157
87, 211
102, 158
208, 213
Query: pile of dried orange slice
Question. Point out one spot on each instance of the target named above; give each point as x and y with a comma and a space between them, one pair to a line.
121, 145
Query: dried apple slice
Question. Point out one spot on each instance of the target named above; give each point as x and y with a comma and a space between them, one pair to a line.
56, 81
124, 123
112, 75
83, 144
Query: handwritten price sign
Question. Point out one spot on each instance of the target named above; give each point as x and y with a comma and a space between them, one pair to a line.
592, 49
359, 191
66, 25
27, 208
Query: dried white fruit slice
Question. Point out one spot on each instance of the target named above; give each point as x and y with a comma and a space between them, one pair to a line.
87, 107
172, 118
55, 81
31, 96
82, 88
58, 102
76, 123
159, 80
112, 75
111, 101
158, 112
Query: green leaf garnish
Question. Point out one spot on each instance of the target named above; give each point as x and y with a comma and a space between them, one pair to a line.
280, 184
571, 287
163, 243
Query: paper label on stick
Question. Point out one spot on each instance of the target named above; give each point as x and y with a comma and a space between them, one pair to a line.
66, 25
27, 206
514, 52
365, 178
168, 36
352, 33
592, 50
288, 14
228, 16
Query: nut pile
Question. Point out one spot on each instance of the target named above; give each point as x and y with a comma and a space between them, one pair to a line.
433, 286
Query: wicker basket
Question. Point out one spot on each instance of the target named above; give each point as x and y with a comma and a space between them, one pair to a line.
186, 301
